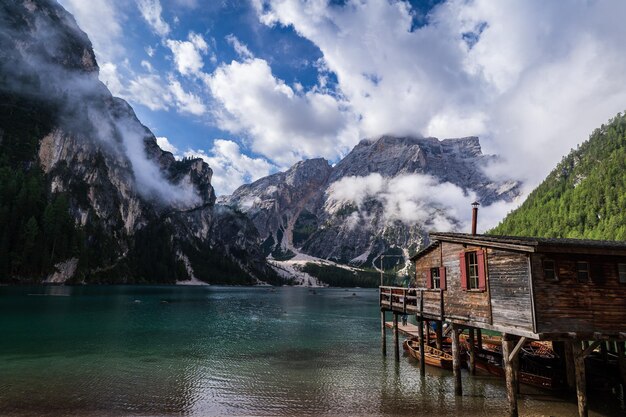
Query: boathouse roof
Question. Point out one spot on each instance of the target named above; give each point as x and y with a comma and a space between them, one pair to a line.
528, 244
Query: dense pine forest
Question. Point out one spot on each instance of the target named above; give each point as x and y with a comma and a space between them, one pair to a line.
583, 197
36, 229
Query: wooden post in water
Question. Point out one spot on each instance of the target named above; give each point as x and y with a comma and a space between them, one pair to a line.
396, 343
621, 360
472, 352
581, 389
510, 372
479, 334
456, 361
569, 366
439, 334
427, 330
420, 325
383, 332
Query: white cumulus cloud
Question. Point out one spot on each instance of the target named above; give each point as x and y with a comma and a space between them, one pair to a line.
414, 199
186, 102
239, 47
188, 54
166, 145
282, 124
151, 11
150, 91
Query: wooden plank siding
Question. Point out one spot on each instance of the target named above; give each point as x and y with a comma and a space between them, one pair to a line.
458, 304
432, 297
470, 305
567, 305
509, 283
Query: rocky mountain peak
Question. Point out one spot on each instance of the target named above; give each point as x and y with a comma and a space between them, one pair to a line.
467, 147
342, 212
307, 170
66, 44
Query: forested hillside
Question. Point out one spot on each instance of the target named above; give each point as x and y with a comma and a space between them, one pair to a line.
584, 196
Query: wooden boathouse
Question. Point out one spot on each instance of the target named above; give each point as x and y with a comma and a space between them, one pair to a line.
564, 290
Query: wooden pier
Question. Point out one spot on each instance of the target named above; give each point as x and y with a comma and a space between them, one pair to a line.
569, 292
409, 329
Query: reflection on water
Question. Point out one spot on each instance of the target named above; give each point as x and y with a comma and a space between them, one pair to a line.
221, 351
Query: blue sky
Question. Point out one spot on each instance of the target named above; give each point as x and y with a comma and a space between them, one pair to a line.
252, 86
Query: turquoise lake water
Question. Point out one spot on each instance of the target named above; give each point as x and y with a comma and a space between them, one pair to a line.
209, 351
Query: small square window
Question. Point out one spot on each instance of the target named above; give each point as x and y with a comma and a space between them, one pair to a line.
621, 269
582, 269
549, 270
434, 273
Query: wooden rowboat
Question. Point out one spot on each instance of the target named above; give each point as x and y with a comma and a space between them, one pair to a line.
491, 363
432, 356
490, 342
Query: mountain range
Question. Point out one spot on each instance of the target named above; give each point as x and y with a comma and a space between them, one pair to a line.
88, 196
380, 199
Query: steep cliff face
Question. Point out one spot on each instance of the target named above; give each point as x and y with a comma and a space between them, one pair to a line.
138, 213
274, 203
382, 198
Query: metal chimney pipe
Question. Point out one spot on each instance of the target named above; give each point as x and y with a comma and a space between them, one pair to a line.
475, 205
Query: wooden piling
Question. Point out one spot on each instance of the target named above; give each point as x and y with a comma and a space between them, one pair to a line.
439, 334
510, 371
421, 345
456, 361
579, 368
479, 337
396, 342
383, 332
569, 366
472, 352
621, 360
427, 331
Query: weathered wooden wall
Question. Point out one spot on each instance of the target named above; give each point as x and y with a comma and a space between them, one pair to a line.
459, 304
432, 298
568, 305
506, 301
509, 284
429, 260
473, 305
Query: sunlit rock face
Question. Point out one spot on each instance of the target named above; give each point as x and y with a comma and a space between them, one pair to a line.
123, 189
382, 198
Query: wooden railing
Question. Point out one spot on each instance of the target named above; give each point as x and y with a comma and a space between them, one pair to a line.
412, 300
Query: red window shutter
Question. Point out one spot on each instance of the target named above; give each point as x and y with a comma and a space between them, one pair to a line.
463, 266
482, 277
442, 277
429, 278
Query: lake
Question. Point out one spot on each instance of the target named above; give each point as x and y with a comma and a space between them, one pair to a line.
198, 351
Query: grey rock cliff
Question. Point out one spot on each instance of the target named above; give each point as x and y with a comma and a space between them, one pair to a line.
275, 202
